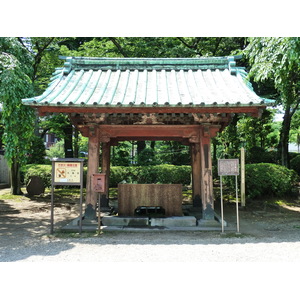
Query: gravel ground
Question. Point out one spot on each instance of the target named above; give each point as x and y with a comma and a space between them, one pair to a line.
266, 236
186, 263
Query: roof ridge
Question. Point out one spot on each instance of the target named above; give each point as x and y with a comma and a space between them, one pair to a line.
113, 63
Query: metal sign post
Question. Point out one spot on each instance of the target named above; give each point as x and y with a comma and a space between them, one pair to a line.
229, 167
67, 171
222, 211
243, 189
98, 186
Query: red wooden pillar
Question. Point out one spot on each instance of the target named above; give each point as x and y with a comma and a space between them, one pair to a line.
93, 167
105, 168
207, 132
196, 174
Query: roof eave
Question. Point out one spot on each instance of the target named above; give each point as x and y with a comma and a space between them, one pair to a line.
249, 109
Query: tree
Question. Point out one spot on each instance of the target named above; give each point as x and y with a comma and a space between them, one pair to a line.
45, 53
18, 120
278, 59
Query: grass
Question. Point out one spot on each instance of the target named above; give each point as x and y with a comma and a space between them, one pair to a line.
17, 198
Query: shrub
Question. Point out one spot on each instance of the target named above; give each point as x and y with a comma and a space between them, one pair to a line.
266, 179
140, 174
295, 164
259, 155
43, 171
164, 174
57, 150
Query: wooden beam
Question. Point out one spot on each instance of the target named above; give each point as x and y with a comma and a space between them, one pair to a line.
144, 131
253, 110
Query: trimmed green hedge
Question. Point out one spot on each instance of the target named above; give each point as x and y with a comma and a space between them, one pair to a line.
262, 179
147, 174
151, 174
266, 179
295, 164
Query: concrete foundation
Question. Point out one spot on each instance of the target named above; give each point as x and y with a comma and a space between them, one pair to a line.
208, 223
174, 222
111, 223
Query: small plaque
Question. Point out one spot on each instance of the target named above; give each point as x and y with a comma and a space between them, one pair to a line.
227, 167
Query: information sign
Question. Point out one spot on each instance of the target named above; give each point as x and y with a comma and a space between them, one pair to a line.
67, 172
228, 167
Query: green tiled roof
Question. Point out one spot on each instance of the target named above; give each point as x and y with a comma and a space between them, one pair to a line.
90, 82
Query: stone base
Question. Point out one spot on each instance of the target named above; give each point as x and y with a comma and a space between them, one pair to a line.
174, 222
111, 223
124, 221
208, 223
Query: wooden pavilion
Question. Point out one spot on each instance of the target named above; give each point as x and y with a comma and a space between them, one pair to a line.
182, 99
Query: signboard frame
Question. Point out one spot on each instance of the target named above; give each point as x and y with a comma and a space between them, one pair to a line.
229, 167
67, 171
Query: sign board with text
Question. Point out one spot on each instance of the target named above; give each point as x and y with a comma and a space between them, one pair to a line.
228, 167
67, 172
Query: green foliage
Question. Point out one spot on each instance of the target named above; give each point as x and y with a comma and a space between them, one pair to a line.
152, 46
295, 164
295, 128
278, 60
146, 157
15, 84
269, 180
43, 171
259, 155
121, 154
172, 152
250, 133
57, 150
37, 151
164, 174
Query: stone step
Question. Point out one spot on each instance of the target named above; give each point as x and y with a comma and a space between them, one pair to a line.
124, 221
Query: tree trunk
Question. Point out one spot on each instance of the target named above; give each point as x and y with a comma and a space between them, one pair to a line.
76, 142
15, 179
68, 131
141, 145
283, 147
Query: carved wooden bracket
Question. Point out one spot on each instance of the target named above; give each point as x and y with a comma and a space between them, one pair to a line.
104, 139
210, 118
149, 119
194, 139
93, 118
